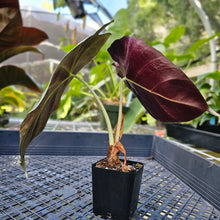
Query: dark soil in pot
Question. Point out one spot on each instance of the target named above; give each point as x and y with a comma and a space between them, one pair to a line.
115, 193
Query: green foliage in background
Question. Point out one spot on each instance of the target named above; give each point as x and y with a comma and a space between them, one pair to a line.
15, 39
77, 103
152, 19
212, 96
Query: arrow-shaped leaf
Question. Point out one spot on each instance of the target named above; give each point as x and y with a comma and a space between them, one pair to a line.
36, 120
162, 88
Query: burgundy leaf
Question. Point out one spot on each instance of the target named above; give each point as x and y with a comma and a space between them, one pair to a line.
32, 36
17, 50
9, 4
162, 88
12, 75
14, 34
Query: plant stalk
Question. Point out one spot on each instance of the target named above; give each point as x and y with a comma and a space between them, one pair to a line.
105, 114
211, 111
118, 128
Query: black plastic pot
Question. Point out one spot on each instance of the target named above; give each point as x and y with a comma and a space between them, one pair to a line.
4, 119
191, 135
210, 128
115, 194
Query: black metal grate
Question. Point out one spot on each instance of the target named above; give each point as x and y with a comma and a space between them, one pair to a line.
59, 187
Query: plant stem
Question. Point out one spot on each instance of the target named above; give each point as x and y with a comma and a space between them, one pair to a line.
117, 135
211, 111
105, 114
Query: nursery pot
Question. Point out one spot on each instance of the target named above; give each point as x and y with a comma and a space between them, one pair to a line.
115, 193
198, 137
4, 119
112, 111
210, 128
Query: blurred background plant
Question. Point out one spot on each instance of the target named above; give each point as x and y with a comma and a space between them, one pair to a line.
100, 75
212, 97
153, 19
15, 39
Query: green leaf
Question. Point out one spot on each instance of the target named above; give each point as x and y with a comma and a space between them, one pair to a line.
213, 75
160, 47
68, 47
10, 95
58, 3
64, 107
174, 35
205, 86
121, 27
117, 29
186, 56
201, 42
97, 73
12, 75
135, 111
71, 64
75, 88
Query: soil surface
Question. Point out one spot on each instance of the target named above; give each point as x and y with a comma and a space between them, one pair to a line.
118, 167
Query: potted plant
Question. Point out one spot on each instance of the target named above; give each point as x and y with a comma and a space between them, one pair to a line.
203, 131
207, 121
15, 39
162, 88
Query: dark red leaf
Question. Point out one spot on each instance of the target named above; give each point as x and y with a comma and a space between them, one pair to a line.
17, 50
32, 36
162, 88
14, 34
12, 75
9, 4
